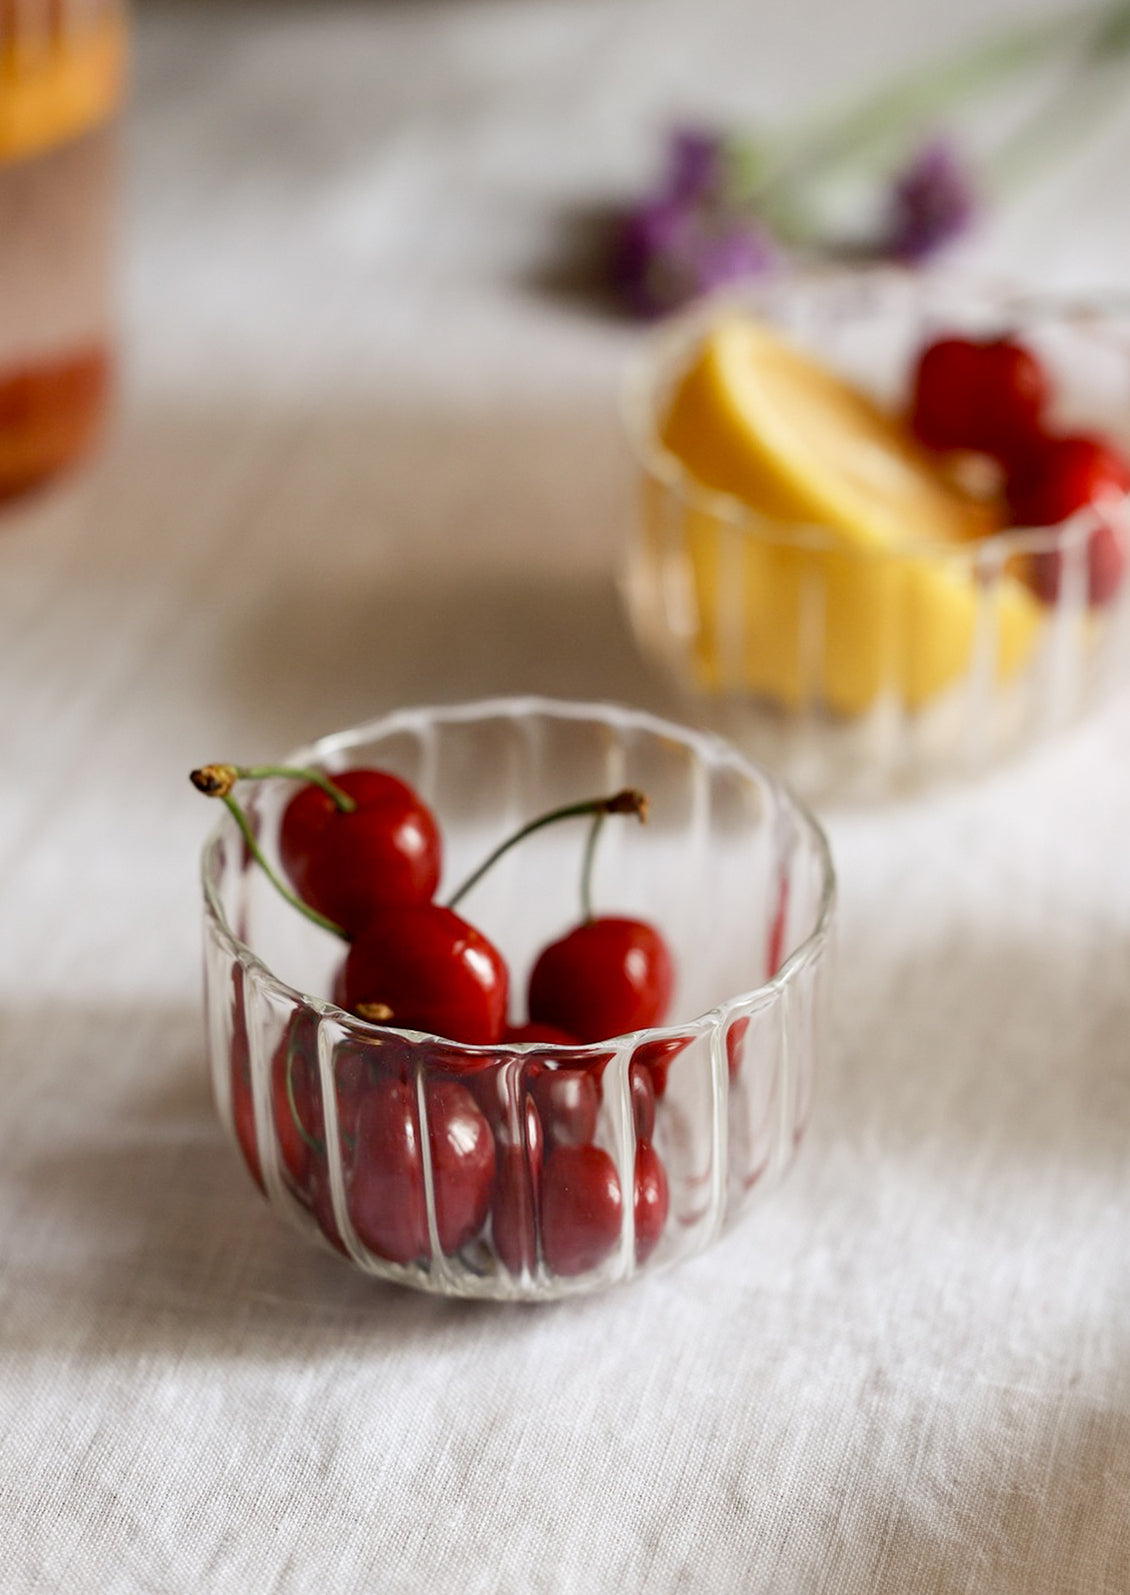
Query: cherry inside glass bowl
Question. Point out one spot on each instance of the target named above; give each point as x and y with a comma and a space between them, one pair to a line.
852, 669
528, 1172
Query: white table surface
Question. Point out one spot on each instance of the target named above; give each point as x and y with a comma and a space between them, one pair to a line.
367, 458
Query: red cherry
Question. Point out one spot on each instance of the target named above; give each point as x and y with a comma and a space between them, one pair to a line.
1014, 392
243, 1119
463, 1162
296, 1097
568, 1101
581, 1209
385, 852
657, 1056
433, 970
297, 1109
321, 1201
293, 1149
490, 1086
353, 1078
386, 1192
605, 978
735, 1047
984, 395
514, 1220
1105, 565
775, 954
518, 1129
355, 1069
242, 1099
1062, 477
387, 1201
643, 1101
944, 382
651, 1200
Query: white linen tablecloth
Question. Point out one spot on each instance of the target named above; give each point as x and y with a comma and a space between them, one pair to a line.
369, 456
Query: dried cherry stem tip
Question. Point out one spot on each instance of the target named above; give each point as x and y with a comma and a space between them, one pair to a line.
217, 780
214, 780
211, 779
628, 801
377, 1013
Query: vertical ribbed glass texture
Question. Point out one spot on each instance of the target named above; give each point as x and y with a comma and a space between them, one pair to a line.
676, 1128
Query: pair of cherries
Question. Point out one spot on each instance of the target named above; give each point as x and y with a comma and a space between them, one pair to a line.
364, 856
992, 397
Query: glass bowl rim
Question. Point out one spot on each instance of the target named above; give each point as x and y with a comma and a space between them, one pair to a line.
703, 743
986, 554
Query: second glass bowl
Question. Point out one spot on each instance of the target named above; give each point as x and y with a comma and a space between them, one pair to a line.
531, 1172
854, 671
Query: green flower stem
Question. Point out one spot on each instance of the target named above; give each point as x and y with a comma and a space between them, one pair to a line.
627, 802
1112, 35
312, 914
872, 131
1060, 122
922, 93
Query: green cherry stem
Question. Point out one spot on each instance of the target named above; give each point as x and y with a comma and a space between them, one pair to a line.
203, 781
628, 801
216, 780
312, 914
586, 867
316, 1146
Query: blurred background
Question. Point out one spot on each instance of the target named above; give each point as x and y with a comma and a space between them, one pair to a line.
308, 409
328, 203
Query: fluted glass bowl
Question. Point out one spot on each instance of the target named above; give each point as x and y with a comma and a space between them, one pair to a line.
732, 870
854, 671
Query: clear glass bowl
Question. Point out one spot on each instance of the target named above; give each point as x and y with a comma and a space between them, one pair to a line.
856, 672
735, 873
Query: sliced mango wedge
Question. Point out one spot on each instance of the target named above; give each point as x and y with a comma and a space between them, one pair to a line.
875, 602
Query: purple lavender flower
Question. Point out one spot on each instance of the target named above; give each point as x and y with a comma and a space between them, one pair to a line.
691, 236
667, 252
932, 203
696, 163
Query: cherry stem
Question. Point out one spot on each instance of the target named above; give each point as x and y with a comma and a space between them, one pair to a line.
280, 886
629, 801
586, 867
211, 781
316, 1146
217, 780
377, 1013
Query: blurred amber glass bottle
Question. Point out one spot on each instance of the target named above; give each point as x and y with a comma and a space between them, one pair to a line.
62, 77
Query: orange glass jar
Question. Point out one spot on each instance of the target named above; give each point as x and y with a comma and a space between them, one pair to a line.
62, 76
